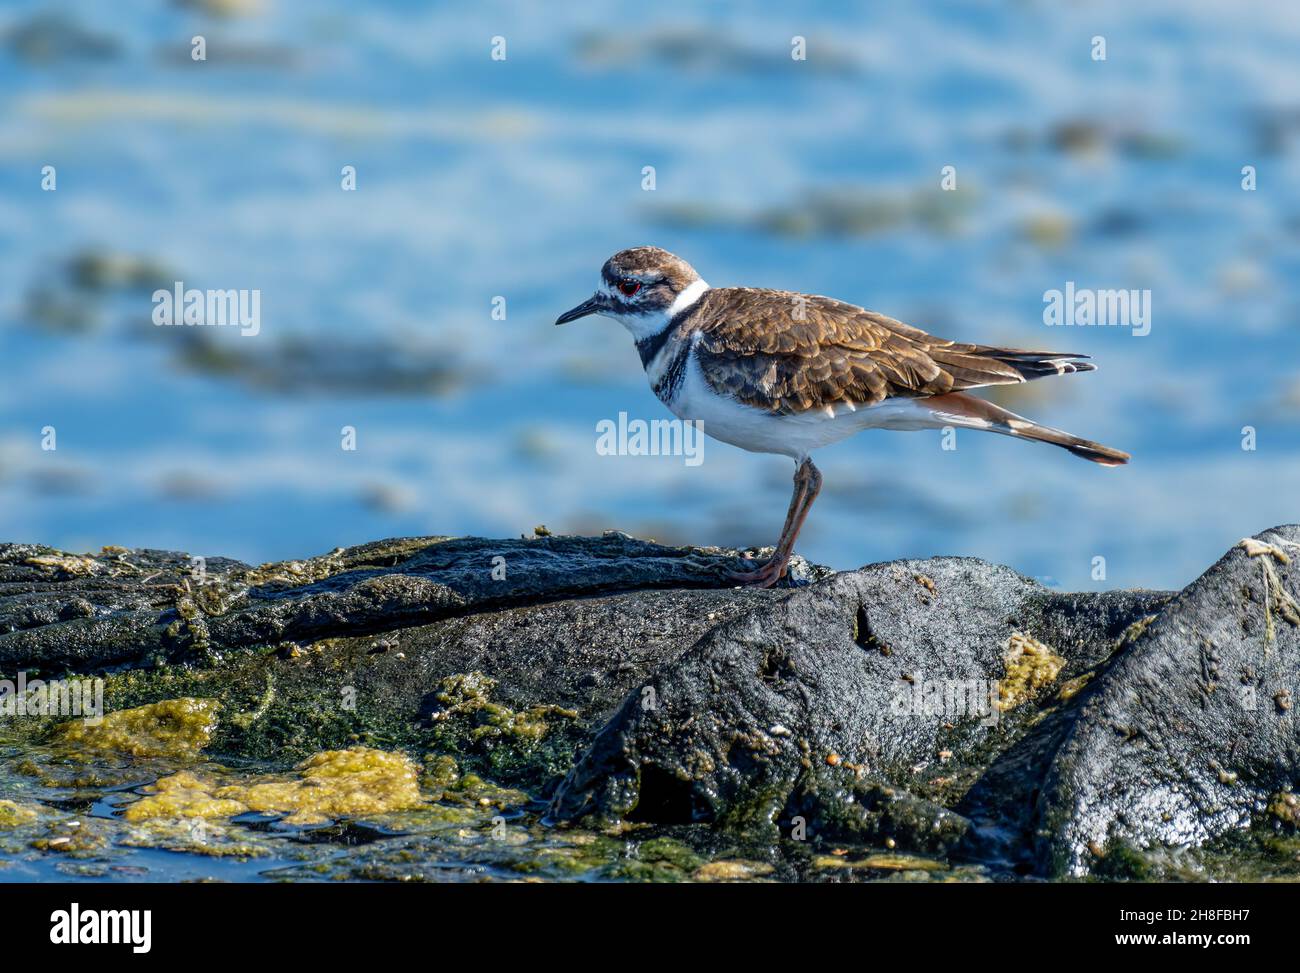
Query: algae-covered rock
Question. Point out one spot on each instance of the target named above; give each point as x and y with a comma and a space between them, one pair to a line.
890, 673
1030, 666
893, 721
832, 807
170, 727
1176, 741
13, 814
1165, 730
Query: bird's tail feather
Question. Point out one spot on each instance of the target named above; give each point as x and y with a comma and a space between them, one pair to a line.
972, 366
976, 413
1040, 364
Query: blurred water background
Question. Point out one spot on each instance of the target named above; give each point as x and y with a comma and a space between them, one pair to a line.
479, 178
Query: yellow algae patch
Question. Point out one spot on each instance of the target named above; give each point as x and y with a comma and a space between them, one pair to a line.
170, 728
463, 693
1133, 631
183, 795
324, 787
338, 783
1030, 666
886, 862
13, 814
383, 553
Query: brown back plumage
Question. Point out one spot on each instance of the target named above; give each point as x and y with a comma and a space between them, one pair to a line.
789, 353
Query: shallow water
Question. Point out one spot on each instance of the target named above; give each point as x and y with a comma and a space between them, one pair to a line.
470, 832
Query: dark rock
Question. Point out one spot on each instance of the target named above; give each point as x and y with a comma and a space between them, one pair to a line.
145, 604
944, 707
1180, 739
357, 644
888, 674
859, 812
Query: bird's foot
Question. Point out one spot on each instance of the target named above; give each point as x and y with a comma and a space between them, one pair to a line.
768, 573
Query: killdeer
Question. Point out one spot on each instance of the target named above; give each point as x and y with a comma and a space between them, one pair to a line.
779, 372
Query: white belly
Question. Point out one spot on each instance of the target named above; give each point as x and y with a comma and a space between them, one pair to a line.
794, 435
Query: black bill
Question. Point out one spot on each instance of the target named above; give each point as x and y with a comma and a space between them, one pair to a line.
594, 305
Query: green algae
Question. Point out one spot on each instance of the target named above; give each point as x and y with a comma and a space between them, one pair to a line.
468, 695
1264, 853
77, 837
882, 862
462, 821
284, 707
671, 852
531, 744
14, 814
465, 827
441, 773
247, 719
171, 727
325, 787
1030, 666
292, 701
473, 789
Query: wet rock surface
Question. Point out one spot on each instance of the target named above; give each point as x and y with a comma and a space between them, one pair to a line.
1189, 733
945, 708
910, 676
124, 605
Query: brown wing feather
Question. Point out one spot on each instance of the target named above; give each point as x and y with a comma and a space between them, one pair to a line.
790, 352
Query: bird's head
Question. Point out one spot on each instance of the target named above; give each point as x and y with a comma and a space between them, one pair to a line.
641, 288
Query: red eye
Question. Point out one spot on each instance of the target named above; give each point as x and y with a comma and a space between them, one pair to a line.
629, 287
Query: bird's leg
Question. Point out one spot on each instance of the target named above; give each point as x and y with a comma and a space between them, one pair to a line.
785, 547
807, 484
796, 501
797, 498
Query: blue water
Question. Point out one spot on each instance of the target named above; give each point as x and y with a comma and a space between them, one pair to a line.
478, 178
